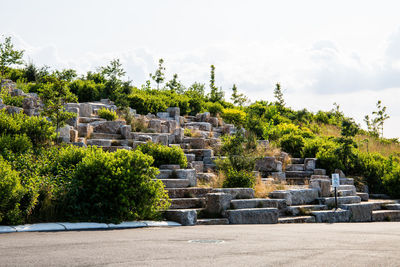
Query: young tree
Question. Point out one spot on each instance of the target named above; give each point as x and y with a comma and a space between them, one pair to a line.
279, 95
175, 86
159, 75
380, 116
54, 97
215, 93
196, 90
113, 74
8, 56
238, 99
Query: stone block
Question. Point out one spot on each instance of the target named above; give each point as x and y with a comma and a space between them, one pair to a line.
184, 217
169, 167
361, 212
268, 164
179, 135
85, 110
322, 185
237, 193
197, 143
187, 174
14, 110
280, 176
309, 164
190, 157
171, 125
253, 216
363, 196
205, 177
319, 171
303, 196
198, 166
203, 126
144, 138
126, 131
217, 203
331, 216
29, 103
173, 111
112, 127
214, 121
155, 125
73, 136
99, 142
64, 134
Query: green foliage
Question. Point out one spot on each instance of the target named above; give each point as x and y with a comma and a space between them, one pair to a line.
187, 132
214, 108
292, 144
11, 193
279, 95
164, 154
241, 178
234, 116
112, 187
216, 94
107, 114
349, 128
87, 90
8, 55
238, 99
159, 75
18, 144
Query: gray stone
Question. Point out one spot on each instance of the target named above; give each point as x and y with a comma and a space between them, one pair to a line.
386, 215
190, 157
73, 136
29, 103
126, 131
64, 134
155, 125
214, 121
40, 227
323, 186
282, 194
84, 226
361, 212
173, 111
85, 110
309, 164
258, 203
237, 193
164, 174
162, 139
303, 196
197, 143
363, 196
161, 115
169, 167
203, 126
281, 176
341, 173
217, 203
268, 164
319, 171
253, 216
198, 166
330, 201
184, 217
171, 126
85, 130
14, 110
206, 177
99, 142
179, 135
331, 216
187, 174
144, 138
112, 127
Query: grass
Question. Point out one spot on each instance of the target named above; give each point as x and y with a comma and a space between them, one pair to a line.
262, 190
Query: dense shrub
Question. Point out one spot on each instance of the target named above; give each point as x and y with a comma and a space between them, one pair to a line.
86, 90
292, 144
164, 154
240, 178
234, 116
111, 187
107, 114
18, 144
11, 193
214, 108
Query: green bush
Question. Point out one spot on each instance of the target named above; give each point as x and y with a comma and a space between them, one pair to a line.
234, 116
112, 187
87, 90
11, 193
164, 154
107, 114
241, 178
292, 144
18, 144
214, 108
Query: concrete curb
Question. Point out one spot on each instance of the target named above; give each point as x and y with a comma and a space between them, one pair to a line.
81, 226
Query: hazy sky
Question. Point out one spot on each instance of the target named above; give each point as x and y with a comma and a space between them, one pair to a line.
321, 52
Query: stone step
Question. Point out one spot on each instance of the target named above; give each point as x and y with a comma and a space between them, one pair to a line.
345, 193
378, 204
175, 183
344, 187
253, 216
258, 203
330, 201
297, 160
295, 167
297, 219
237, 193
304, 209
386, 215
392, 207
187, 203
182, 216
89, 119
296, 196
297, 180
331, 216
105, 136
363, 196
298, 174
218, 221
99, 142
188, 192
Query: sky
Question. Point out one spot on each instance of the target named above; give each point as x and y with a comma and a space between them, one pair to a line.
321, 52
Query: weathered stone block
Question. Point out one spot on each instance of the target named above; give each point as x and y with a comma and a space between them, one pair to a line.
173, 111
268, 164
217, 203
237, 193
99, 142
185, 217
205, 177
253, 216
85, 110
197, 143
331, 216
126, 131
190, 157
198, 166
322, 185
188, 174
309, 164
73, 136
112, 127
64, 134
319, 171
361, 212
155, 125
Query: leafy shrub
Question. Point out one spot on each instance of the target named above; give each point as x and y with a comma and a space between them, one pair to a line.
107, 114
87, 90
292, 144
18, 144
164, 154
112, 187
11, 193
234, 116
239, 179
187, 132
214, 108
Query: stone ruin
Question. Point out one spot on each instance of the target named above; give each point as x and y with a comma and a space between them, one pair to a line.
309, 199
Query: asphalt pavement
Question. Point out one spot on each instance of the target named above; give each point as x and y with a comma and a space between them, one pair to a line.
346, 244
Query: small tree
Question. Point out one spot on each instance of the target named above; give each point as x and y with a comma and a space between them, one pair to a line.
54, 97
8, 56
113, 73
175, 86
238, 99
159, 75
215, 93
375, 125
279, 95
